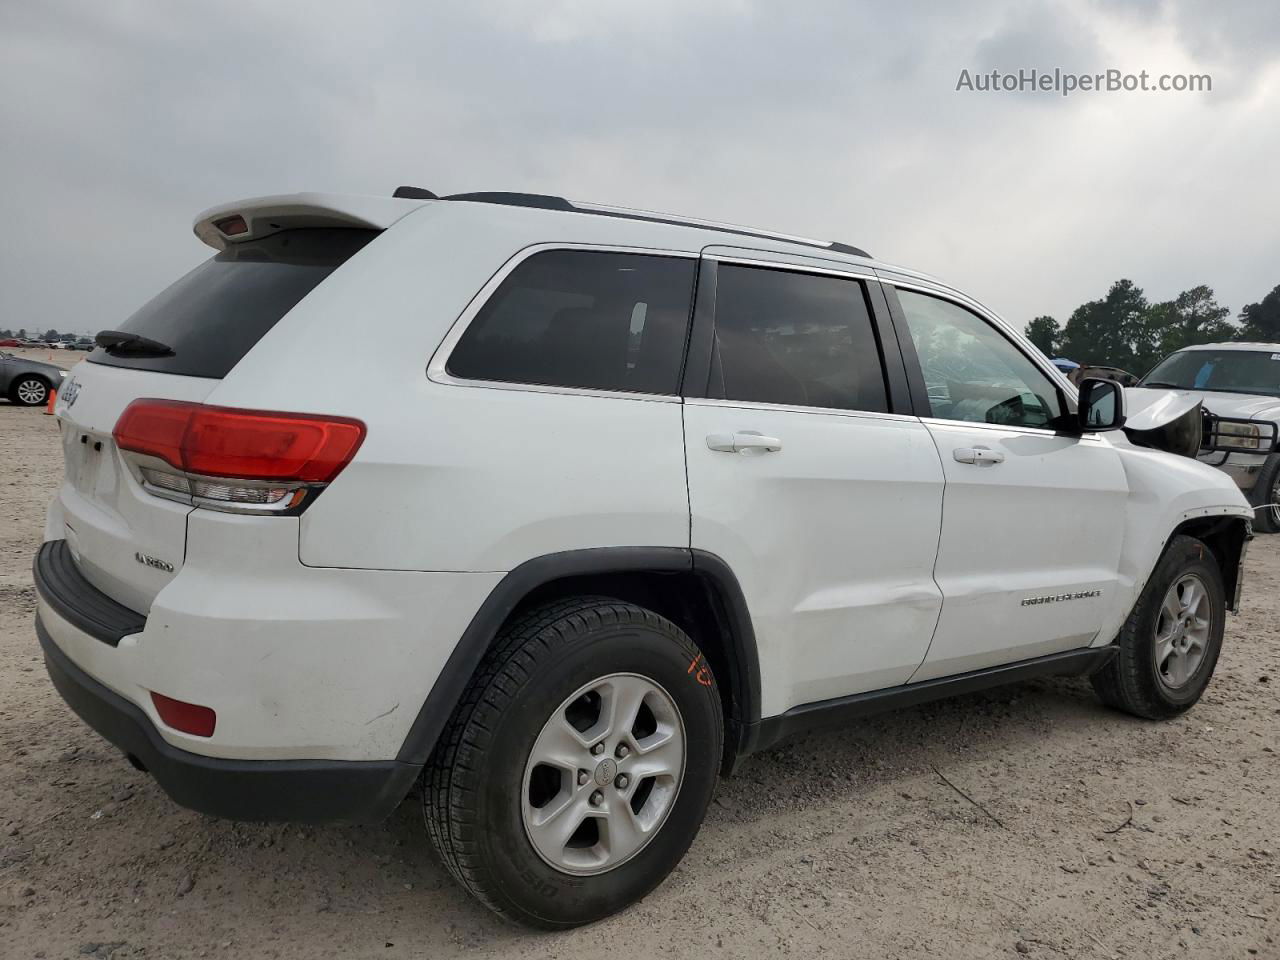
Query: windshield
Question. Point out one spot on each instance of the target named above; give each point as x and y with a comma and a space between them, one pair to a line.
1224, 371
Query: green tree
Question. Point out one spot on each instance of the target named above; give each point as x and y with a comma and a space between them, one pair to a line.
1261, 321
1109, 332
1045, 333
51, 334
1194, 317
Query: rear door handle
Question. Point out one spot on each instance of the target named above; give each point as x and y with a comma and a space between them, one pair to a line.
742, 442
978, 455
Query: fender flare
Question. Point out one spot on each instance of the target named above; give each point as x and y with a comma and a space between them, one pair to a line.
503, 600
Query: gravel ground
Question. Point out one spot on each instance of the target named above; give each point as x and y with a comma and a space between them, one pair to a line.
1089, 834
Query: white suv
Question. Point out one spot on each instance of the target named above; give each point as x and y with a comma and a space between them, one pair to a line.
626, 499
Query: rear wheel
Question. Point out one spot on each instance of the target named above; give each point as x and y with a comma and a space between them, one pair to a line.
579, 765
29, 391
1170, 644
1266, 496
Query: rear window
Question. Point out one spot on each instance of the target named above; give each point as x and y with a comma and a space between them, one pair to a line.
572, 318
215, 314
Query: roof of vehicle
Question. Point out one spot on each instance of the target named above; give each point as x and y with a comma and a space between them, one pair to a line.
1233, 345
258, 216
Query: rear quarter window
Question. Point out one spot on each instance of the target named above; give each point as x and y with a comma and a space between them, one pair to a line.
215, 314
585, 319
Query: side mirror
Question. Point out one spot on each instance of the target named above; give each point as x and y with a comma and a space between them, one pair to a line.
1101, 405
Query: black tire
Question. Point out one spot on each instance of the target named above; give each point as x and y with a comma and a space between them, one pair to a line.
1267, 490
474, 784
1132, 680
31, 381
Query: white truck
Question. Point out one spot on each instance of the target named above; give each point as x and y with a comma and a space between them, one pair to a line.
1239, 385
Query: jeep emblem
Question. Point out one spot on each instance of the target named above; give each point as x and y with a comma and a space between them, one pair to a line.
605, 771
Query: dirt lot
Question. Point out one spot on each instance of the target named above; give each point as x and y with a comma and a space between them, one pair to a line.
1097, 835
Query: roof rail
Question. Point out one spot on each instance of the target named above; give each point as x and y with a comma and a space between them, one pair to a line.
542, 201
539, 200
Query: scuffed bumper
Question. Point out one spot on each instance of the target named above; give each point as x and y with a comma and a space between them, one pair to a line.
297, 790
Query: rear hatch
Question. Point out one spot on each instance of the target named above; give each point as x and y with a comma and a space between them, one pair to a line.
129, 542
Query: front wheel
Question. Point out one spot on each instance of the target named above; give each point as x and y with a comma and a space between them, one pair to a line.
1170, 644
29, 391
1266, 497
579, 765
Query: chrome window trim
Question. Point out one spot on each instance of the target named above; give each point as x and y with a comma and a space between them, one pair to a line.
1011, 428
799, 264
437, 366
797, 408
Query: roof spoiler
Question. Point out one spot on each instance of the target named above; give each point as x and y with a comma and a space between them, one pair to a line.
258, 217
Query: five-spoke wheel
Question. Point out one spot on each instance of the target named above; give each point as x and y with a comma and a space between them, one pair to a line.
603, 774
1167, 648
1182, 631
579, 765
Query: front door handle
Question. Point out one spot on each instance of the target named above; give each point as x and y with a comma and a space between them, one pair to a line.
979, 455
742, 442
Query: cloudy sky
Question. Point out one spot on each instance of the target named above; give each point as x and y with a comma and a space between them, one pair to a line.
121, 120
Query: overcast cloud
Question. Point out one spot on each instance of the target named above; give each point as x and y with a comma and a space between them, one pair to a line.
122, 120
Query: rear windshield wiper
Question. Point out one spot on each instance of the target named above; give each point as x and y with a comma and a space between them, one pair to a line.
122, 344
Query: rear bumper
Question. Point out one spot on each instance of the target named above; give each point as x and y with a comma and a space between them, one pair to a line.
297, 790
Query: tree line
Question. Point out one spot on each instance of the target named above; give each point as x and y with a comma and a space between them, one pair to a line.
1124, 329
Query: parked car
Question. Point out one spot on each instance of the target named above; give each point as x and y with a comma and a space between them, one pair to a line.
28, 382
632, 498
1239, 381
10, 342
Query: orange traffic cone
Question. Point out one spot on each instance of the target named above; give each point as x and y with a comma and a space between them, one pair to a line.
53, 399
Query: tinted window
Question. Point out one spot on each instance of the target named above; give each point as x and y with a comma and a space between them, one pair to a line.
215, 314
574, 318
972, 371
795, 338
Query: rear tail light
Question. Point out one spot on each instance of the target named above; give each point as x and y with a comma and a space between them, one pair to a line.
242, 459
188, 717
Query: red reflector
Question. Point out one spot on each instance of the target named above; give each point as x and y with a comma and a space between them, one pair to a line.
232, 226
188, 717
243, 444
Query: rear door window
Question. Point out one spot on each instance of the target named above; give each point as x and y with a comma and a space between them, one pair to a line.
796, 339
586, 319
214, 315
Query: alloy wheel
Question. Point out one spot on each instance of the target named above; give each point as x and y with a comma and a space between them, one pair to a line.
603, 774
1182, 631
32, 392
